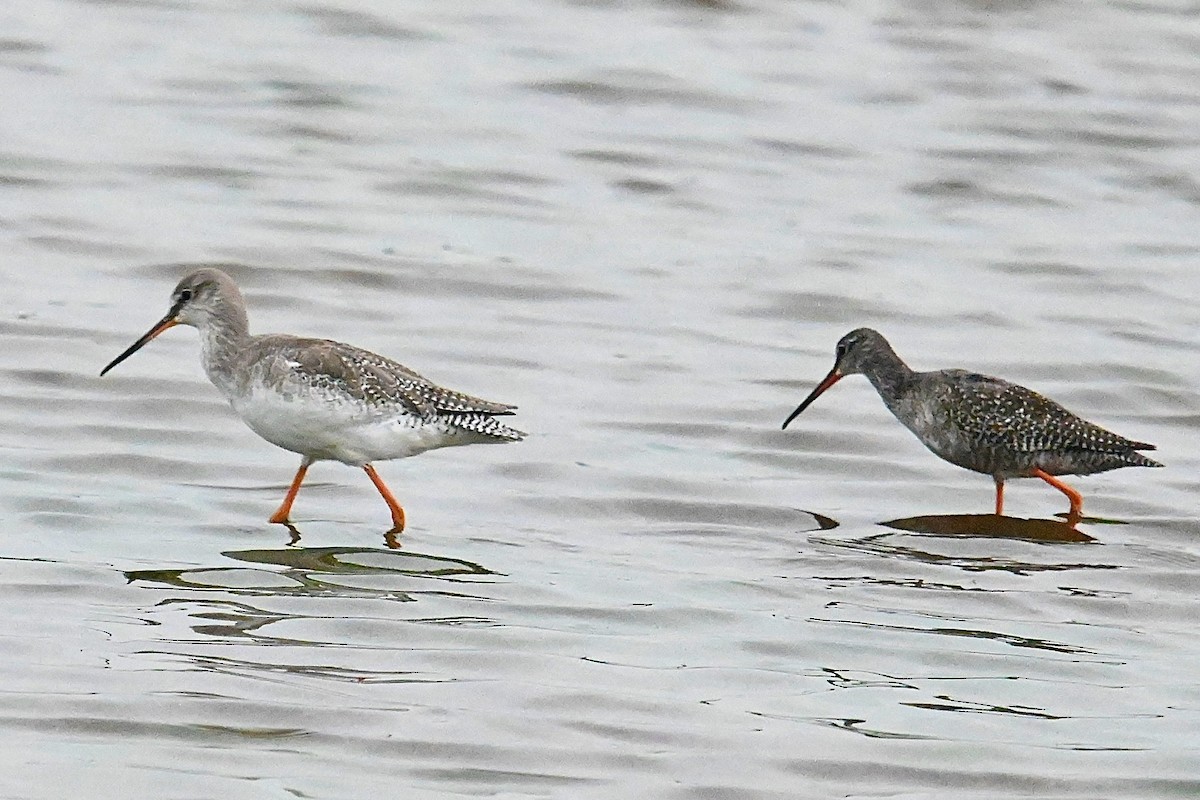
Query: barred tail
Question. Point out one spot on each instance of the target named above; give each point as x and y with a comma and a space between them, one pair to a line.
1136, 459
486, 426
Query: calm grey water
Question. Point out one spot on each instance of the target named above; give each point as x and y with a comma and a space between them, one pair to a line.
646, 223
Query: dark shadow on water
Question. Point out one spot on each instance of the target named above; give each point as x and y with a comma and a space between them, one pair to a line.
992, 525
944, 540
895, 544
310, 600
350, 559
824, 523
331, 571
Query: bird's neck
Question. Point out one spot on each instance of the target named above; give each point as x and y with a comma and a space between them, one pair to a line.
891, 377
222, 339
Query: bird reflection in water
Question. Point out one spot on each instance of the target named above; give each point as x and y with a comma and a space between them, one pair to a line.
391, 538
305, 570
983, 525
994, 525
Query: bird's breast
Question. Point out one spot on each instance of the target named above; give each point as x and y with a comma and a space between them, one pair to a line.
929, 419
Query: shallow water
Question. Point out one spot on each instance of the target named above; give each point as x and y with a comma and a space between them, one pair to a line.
646, 223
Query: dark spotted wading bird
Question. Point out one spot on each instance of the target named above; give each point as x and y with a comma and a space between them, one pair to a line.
981, 423
324, 400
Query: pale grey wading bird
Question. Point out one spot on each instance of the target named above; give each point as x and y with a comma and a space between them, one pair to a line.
981, 423
325, 400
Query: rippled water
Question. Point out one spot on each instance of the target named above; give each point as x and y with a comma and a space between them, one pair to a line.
647, 223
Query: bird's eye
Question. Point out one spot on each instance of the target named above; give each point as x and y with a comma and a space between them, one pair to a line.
185, 295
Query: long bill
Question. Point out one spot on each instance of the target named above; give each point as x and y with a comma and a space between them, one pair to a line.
163, 324
833, 377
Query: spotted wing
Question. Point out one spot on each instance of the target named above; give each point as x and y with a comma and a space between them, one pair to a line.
375, 381
1004, 415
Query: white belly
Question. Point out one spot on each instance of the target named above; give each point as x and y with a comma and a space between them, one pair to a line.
324, 429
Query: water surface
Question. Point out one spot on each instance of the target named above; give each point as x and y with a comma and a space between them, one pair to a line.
646, 223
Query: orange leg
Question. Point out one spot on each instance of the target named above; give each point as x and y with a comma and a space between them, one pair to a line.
397, 511
999, 497
281, 516
1075, 497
